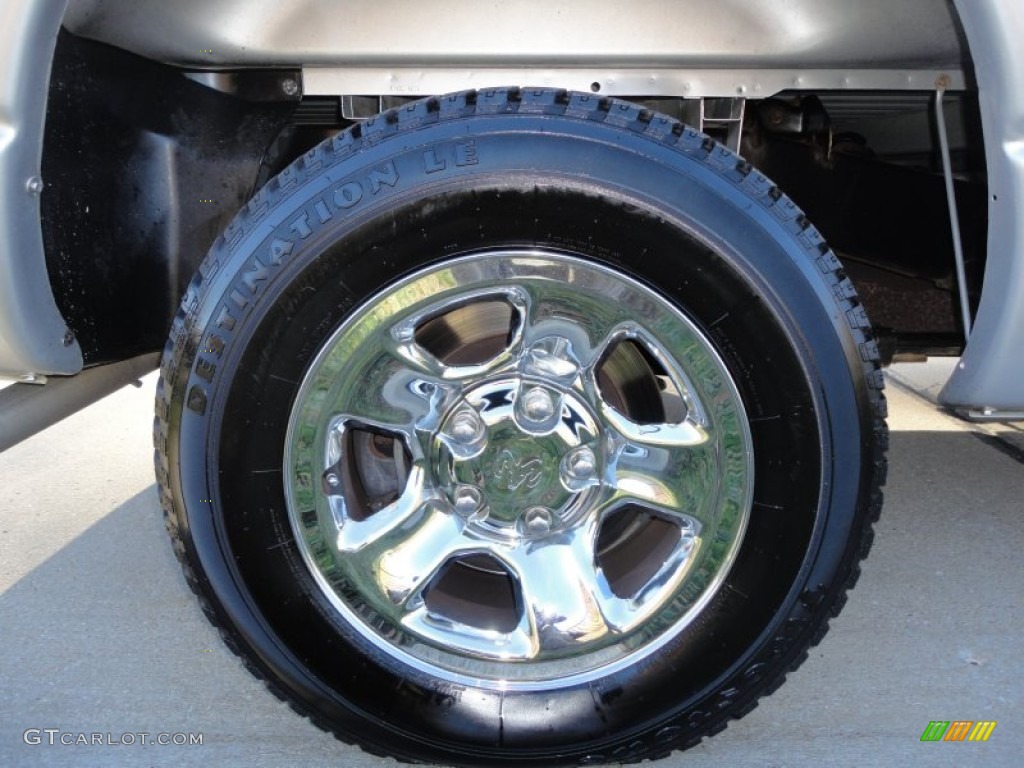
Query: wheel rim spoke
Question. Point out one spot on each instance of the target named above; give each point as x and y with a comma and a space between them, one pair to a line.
517, 645
561, 592
688, 433
406, 565
677, 482
557, 309
355, 534
403, 546
396, 389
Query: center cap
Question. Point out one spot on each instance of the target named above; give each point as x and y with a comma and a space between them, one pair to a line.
516, 472
521, 458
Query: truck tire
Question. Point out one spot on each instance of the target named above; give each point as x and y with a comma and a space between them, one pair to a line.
521, 427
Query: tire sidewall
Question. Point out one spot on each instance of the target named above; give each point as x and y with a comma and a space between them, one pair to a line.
284, 235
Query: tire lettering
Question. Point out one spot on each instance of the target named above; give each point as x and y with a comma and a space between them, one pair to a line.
465, 153
196, 401
386, 174
301, 227
254, 276
345, 196
348, 195
240, 300
214, 345
432, 163
322, 211
279, 249
225, 320
205, 369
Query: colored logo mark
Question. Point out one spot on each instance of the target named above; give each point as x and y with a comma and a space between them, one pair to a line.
958, 730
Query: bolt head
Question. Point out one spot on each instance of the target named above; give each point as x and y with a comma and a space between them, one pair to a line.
582, 463
34, 185
333, 480
290, 87
468, 499
538, 405
536, 521
466, 427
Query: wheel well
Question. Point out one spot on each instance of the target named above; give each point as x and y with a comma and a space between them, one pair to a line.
146, 162
144, 166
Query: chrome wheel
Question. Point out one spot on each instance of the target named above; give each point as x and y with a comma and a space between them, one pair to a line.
518, 468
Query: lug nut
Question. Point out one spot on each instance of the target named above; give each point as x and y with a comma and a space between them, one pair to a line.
538, 405
466, 427
536, 521
468, 500
581, 463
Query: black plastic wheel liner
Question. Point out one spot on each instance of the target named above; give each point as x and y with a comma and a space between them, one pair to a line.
143, 169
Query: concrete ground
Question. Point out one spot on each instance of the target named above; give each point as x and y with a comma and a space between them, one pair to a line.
100, 634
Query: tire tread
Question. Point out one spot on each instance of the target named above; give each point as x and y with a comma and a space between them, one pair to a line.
180, 349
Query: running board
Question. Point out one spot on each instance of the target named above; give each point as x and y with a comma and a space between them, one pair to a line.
26, 409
